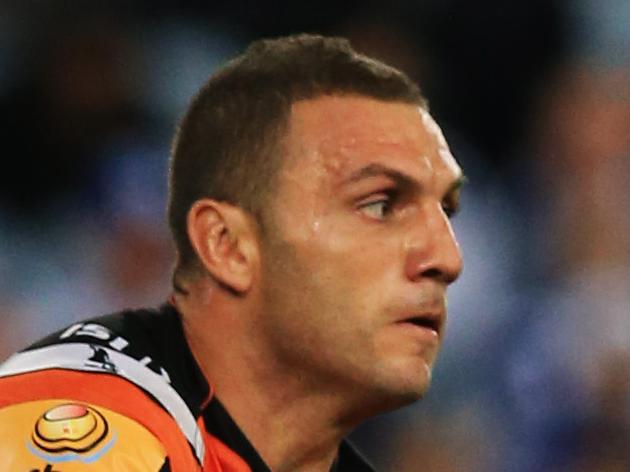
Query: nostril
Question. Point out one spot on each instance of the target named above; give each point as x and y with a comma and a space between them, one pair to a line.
441, 274
432, 273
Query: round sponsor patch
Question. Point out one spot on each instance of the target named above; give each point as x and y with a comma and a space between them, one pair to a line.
69, 435
70, 427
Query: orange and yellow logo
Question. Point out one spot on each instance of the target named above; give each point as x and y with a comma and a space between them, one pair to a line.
71, 436
70, 428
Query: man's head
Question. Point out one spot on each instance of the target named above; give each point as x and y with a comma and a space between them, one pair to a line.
229, 144
349, 185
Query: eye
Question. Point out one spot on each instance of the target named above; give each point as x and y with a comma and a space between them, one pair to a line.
450, 210
377, 209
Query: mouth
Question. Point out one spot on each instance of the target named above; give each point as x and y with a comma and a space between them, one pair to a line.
432, 322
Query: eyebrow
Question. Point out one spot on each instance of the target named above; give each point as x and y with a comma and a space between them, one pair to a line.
375, 170
400, 178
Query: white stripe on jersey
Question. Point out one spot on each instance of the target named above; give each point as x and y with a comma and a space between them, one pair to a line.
76, 356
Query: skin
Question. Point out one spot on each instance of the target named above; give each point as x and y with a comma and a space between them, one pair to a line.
357, 242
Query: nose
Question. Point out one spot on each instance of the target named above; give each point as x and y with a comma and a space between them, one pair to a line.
432, 250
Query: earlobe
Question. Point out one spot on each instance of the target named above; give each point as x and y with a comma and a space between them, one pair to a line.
224, 241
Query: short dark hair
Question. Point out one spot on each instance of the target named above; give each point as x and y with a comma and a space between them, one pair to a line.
228, 145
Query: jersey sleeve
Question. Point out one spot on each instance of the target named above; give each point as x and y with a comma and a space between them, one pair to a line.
69, 436
111, 396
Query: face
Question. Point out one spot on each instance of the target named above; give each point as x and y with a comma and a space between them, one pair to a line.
360, 252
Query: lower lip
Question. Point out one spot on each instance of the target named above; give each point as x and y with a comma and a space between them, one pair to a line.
420, 331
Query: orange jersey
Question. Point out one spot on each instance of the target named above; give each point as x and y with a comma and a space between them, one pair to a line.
121, 393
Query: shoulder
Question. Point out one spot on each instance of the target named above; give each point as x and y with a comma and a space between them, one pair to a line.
113, 368
130, 330
50, 435
124, 346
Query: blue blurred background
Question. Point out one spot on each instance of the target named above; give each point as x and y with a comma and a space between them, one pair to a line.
534, 97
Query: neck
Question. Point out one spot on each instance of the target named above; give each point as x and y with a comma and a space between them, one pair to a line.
292, 425
291, 432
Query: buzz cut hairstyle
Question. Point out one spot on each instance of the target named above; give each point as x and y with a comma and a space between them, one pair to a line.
229, 143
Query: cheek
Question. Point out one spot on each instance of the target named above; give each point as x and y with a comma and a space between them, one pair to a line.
356, 276
364, 262
324, 264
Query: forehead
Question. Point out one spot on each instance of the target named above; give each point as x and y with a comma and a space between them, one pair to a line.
338, 135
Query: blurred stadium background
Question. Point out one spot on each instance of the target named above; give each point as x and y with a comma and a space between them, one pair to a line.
534, 97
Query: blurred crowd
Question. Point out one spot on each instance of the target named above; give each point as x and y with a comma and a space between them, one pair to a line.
534, 98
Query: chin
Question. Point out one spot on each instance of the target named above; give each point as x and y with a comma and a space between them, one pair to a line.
380, 392
403, 386
412, 391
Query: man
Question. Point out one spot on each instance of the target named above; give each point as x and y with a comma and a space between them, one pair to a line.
309, 202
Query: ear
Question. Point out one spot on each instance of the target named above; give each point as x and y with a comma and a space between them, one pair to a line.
225, 239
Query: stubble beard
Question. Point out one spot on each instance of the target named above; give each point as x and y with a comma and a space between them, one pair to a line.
349, 368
